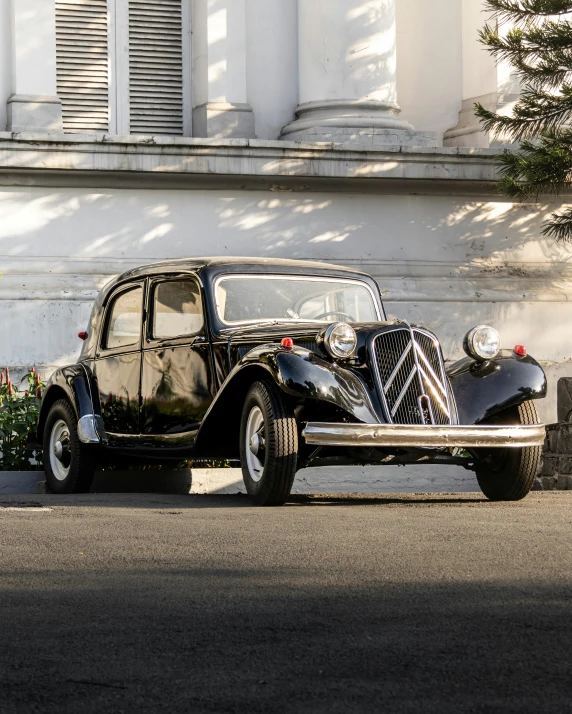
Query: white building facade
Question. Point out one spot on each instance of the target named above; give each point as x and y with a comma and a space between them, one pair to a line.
341, 130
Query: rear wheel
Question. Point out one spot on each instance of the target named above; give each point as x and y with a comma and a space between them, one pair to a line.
509, 474
268, 445
68, 465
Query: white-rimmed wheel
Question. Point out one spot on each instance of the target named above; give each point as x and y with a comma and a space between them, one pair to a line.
68, 466
268, 445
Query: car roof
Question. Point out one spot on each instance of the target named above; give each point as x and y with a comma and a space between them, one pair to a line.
233, 264
215, 262
218, 265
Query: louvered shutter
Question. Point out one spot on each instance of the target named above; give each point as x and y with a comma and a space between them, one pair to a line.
83, 64
156, 67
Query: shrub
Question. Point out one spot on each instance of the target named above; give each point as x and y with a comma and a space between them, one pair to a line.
19, 412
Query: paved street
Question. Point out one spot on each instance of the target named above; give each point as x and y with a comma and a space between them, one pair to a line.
182, 604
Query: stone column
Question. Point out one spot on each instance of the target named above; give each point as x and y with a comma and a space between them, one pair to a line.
347, 75
494, 85
220, 106
33, 105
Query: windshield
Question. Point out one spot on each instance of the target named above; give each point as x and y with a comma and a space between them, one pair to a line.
252, 298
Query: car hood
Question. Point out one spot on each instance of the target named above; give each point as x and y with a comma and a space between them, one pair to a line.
276, 331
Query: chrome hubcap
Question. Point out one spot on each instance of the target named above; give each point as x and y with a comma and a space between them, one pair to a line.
60, 450
255, 444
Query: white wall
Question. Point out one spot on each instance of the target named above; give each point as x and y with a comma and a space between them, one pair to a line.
272, 63
479, 67
446, 262
33, 47
5, 60
429, 63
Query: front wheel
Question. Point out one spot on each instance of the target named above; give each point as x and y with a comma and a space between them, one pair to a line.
268, 445
509, 474
68, 465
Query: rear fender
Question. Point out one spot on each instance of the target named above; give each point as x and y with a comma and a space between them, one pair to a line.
483, 389
71, 383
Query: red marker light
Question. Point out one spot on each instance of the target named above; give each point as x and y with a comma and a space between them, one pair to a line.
287, 343
82, 335
520, 350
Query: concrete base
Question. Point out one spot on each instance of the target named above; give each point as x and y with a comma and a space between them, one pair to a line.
220, 120
469, 131
557, 464
355, 121
34, 113
564, 399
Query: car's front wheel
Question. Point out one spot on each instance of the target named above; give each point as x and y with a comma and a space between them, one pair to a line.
268, 445
68, 465
509, 474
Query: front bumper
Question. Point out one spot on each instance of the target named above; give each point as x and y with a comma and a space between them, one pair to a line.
405, 435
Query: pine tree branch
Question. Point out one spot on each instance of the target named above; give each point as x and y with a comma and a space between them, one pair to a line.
559, 226
536, 112
532, 42
542, 55
526, 11
540, 43
539, 48
540, 169
543, 167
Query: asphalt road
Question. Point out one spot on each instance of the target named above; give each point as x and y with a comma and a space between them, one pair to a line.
206, 604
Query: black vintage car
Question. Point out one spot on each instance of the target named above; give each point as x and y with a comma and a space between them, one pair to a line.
282, 364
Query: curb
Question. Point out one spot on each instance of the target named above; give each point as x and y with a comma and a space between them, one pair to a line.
338, 479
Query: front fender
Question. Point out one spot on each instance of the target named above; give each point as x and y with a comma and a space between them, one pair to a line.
483, 389
71, 383
303, 374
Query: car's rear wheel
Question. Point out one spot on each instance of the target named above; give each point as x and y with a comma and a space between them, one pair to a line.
268, 445
68, 465
509, 474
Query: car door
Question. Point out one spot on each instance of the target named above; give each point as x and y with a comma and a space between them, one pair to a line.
118, 360
177, 385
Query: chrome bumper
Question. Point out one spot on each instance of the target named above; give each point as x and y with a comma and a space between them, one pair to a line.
398, 435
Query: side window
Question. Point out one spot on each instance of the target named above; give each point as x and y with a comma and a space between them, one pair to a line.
124, 322
177, 309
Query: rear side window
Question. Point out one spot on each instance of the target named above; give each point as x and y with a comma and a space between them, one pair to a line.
124, 323
177, 309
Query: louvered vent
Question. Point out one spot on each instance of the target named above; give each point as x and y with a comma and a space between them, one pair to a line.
156, 67
82, 64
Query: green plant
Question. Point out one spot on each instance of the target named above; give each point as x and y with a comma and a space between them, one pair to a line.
539, 48
19, 412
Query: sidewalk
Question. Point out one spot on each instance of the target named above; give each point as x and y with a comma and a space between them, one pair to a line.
333, 479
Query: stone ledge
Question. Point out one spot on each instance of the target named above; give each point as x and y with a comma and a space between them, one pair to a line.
154, 140
277, 165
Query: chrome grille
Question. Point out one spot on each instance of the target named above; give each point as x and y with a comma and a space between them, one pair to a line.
412, 380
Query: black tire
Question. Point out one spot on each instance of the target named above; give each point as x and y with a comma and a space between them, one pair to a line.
509, 474
279, 452
79, 461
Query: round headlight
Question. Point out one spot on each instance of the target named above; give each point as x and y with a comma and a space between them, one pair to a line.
340, 340
482, 342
